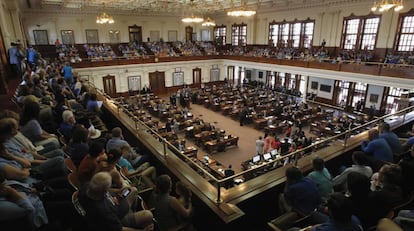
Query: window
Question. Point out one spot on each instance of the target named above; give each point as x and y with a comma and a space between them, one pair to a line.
405, 35
359, 93
297, 34
360, 33
239, 34
220, 35
394, 95
343, 88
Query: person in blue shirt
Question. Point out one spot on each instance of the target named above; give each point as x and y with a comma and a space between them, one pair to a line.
377, 147
302, 195
67, 73
14, 59
391, 138
340, 215
32, 56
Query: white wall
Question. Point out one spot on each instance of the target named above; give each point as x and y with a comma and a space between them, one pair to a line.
318, 92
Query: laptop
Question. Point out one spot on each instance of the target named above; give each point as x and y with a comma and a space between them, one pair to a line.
267, 156
256, 159
274, 152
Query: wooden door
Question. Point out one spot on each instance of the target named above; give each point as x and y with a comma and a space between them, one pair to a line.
157, 82
135, 33
109, 85
197, 77
230, 74
188, 34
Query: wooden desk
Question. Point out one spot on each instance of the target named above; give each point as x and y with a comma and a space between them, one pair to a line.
213, 145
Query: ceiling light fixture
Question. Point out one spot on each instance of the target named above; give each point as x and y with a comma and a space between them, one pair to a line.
385, 5
192, 19
209, 22
104, 18
242, 11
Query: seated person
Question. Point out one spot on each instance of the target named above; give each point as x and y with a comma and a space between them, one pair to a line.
68, 122
90, 163
167, 207
78, 146
369, 208
31, 127
148, 172
301, 196
359, 166
110, 213
20, 205
377, 148
388, 184
321, 176
117, 141
340, 215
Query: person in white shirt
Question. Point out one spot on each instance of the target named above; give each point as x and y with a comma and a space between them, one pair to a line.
259, 145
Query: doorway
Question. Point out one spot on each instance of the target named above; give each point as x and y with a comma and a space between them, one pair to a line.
135, 33
188, 34
109, 85
197, 77
157, 82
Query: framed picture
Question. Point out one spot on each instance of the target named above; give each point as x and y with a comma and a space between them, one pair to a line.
172, 35
92, 36
178, 78
314, 85
373, 98
134, 83
68, 37
325, 88
41, 37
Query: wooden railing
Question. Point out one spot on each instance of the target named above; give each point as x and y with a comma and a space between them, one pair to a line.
370, 68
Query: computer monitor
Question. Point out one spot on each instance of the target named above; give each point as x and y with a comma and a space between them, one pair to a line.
256, 159
274, 152
267, 156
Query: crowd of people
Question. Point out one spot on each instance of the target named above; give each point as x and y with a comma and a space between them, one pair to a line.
102, 52
54, 152
376, 185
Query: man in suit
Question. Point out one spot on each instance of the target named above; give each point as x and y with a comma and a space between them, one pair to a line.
229, 172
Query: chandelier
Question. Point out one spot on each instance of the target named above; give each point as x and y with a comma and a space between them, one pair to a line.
104, 18
209, 22
385, 5
192, 19
241, 13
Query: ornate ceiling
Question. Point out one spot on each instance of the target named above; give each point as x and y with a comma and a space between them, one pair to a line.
175, 7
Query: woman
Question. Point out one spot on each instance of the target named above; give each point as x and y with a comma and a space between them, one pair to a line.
31, 128
148, 172
105, 212
168, 209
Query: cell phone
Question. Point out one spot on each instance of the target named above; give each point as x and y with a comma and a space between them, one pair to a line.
126, 192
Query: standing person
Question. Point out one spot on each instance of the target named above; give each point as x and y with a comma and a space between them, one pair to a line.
67, 74
14, 60
259, 145
243, 115
227, 173
167, 207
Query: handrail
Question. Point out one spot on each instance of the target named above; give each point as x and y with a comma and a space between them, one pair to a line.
220, 182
